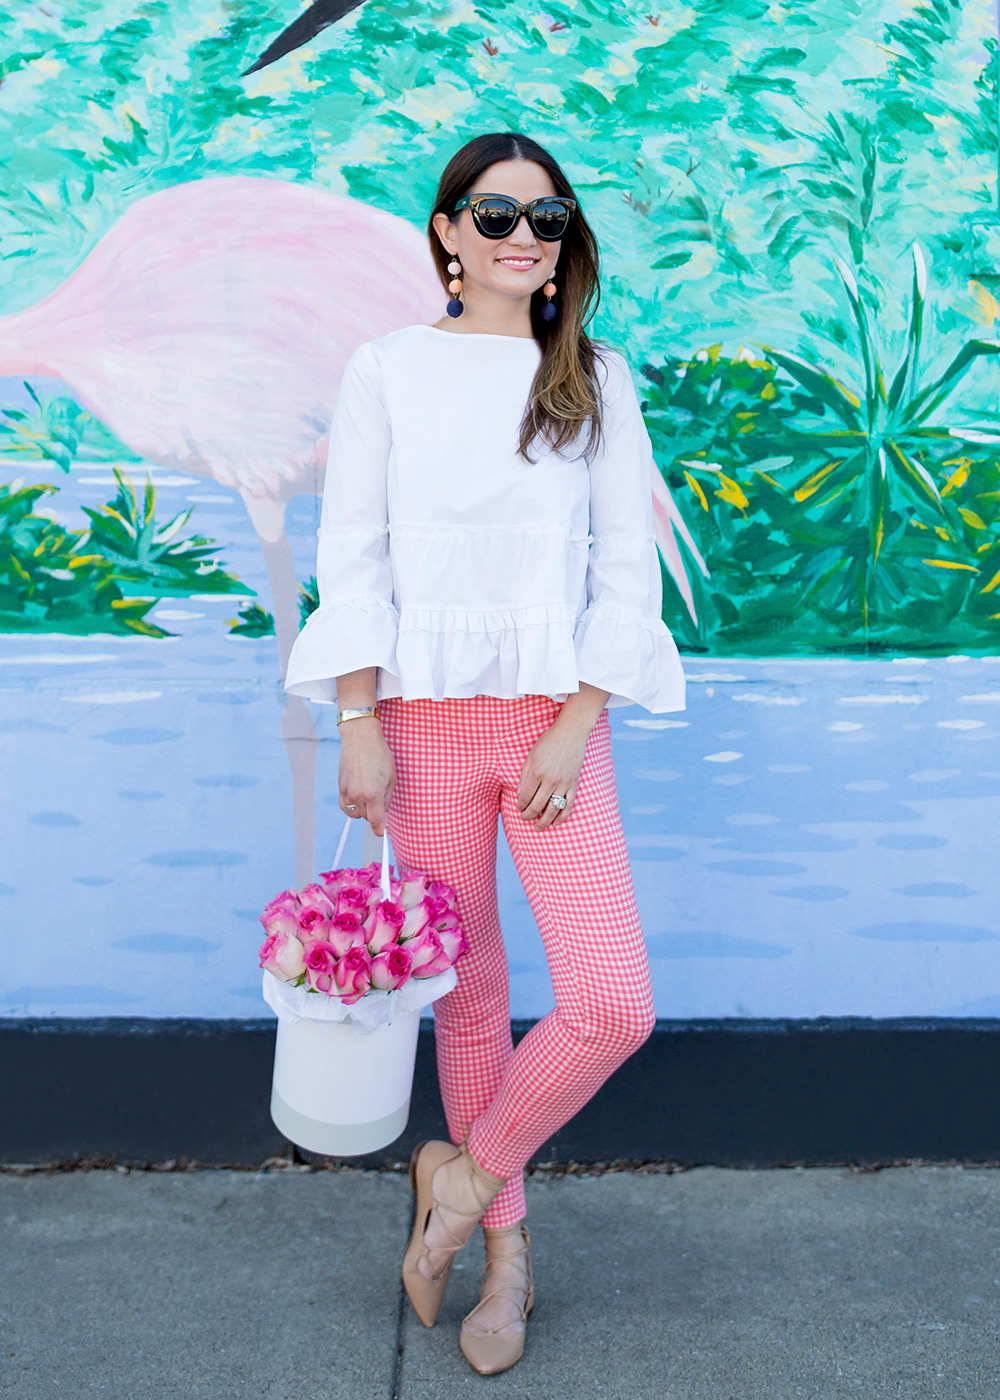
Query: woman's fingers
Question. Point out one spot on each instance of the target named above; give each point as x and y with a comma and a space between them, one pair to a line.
551, 814
367, 779
552, 768
372, 808
539, 809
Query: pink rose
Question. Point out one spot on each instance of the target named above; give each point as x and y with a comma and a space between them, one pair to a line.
451, 936
385, 925
351, 976
279, 919
313, 925
283, 955
315, 897
391, 968
321, 960
347, 930
352, 897
335, 880
372, 874
448, 918
412, 889
440, 890
429, 956
416, 920
286, 900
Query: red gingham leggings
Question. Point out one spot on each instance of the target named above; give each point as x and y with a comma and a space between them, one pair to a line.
458, 763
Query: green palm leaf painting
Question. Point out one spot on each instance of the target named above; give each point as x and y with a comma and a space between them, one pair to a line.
844, 507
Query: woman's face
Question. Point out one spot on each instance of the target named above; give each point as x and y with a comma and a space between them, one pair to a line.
514, 266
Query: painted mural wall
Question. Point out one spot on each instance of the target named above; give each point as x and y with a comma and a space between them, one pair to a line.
205, 207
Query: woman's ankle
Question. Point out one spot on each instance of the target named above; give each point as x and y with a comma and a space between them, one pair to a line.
503, 1231
490, 1180
504, 1241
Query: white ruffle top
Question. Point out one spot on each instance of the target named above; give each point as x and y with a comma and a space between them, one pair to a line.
458, 568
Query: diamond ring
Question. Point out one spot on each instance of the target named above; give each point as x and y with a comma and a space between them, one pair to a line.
559, 802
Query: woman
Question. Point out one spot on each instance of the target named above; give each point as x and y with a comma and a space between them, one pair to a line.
489, 585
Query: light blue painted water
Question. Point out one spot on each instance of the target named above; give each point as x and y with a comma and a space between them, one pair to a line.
808, 838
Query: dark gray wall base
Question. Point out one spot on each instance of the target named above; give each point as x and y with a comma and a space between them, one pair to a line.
734, 1093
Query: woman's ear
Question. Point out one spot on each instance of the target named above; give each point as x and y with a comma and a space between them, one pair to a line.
445, 231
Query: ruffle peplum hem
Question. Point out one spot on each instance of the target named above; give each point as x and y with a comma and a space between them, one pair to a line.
494, 651
341, 637
631, 654
541, 649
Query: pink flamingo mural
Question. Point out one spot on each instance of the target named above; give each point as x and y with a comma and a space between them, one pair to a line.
209, 330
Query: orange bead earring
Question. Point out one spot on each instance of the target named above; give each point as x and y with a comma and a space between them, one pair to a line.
455, 306
549, 307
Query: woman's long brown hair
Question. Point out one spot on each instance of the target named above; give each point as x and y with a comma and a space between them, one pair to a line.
565, 394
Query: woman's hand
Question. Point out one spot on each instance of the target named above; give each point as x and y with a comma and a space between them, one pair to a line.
552, 766
556, 757
367, 771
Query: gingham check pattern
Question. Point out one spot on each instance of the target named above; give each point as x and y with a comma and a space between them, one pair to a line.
458, 764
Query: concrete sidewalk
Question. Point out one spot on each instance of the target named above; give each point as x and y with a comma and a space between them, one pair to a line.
701, 1285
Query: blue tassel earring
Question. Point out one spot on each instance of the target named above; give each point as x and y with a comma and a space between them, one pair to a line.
549, 306
455, 307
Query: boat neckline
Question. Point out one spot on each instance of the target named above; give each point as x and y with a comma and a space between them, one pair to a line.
468, 335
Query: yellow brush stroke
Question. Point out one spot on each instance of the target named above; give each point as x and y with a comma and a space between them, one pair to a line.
949, 564
695, 487
989, 307
971, 518
958, 477
815, 481
731, 492
992, 583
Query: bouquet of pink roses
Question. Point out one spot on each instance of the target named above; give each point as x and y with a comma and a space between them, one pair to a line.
349, 964
343, 938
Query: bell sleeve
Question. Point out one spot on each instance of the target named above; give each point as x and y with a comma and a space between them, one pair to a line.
622, 643
357, 622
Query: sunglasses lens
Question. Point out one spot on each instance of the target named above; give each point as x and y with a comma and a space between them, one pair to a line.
551, 219
495, 217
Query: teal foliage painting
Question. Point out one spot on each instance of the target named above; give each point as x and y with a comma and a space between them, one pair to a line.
103, 579
797, 205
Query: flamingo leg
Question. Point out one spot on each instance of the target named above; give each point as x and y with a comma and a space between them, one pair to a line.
298, 732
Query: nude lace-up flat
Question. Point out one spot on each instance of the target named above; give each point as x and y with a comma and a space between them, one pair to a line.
492, 1349
427, 1292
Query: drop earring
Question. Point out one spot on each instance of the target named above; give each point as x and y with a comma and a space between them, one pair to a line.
549, 306
455, 306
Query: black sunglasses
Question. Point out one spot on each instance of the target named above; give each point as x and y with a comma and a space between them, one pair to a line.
496, 215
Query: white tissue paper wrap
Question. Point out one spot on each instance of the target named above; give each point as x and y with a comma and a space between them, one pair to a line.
368, 1013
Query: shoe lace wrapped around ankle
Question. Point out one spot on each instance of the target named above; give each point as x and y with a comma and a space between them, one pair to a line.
514, 1293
